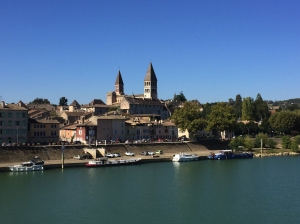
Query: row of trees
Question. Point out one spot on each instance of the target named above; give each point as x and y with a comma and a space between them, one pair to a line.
63, 101
228, 116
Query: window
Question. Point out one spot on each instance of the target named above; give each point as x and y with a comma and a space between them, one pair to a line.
9, 123
103, 129
23, 114
9, 115
2, 123
17, 122
17, 114
53, 125
2, 114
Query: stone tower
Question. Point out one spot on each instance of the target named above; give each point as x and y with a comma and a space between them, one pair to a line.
119, 85
150, 84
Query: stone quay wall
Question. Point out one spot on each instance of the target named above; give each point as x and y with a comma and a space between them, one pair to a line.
21, 154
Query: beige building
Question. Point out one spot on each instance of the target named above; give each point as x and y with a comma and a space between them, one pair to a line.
68, 133
111, 127
13, 123
43, 131
97, 107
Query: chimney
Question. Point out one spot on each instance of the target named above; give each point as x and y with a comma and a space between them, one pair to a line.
2, 104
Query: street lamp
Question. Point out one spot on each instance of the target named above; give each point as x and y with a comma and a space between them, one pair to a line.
17, 134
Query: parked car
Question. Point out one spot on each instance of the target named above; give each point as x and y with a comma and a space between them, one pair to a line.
87, 156
110, 155
117, 154
159, 152
145, 153
77, 142
151, 153
77, 157
129, 153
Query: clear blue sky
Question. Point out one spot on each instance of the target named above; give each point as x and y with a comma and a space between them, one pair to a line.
211, 50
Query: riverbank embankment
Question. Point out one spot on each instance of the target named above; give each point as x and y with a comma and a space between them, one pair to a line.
52, 155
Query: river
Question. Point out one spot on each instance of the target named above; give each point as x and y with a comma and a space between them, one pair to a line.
260, 190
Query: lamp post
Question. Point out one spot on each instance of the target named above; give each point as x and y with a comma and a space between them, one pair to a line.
140, 134
17, 134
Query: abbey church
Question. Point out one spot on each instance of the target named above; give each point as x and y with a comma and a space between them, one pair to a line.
140, 104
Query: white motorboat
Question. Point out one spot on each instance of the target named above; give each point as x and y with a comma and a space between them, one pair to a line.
105, 162
33, 165
22, 168
183, 157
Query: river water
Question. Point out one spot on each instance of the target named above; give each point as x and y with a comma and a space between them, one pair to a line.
235, 191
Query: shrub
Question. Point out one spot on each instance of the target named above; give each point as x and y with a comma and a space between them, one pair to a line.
286, 142
248, 143
236, 142
297, 139
258, 138
294, 146
271, 143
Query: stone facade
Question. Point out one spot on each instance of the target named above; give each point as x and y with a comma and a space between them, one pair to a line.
13, 123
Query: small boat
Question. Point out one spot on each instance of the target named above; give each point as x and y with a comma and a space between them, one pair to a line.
105, 162
183, 157
33, 165
228, 154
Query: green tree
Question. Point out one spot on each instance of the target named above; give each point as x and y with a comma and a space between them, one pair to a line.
285, 121
251, 127
207, 109
180, 97
238, 106
63, 101
40, 101
261, 109
247, 109
221, 118
189, 117
265, 126
240, 129
293, 107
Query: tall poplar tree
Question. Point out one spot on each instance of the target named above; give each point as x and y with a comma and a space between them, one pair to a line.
238, 106
247, 109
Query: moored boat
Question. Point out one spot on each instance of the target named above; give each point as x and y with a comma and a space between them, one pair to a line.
33, 165
183, 157
105, 162
229, 154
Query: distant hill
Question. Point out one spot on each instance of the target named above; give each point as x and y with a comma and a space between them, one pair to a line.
284, 103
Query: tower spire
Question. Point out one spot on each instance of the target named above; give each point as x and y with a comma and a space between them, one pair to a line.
150, 83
